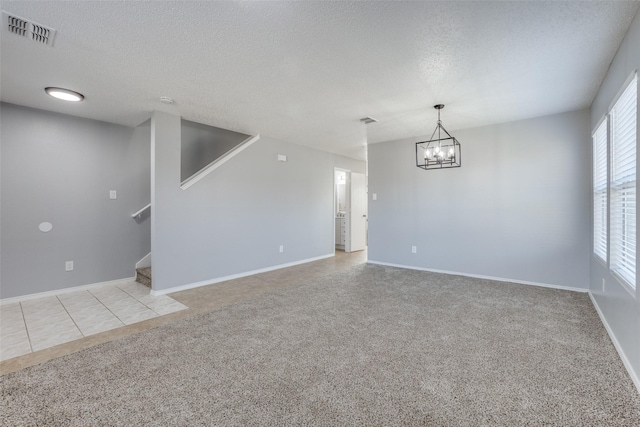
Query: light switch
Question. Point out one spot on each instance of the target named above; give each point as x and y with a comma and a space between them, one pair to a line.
374, 196
113, 194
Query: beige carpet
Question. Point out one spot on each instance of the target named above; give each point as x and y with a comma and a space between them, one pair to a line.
370, 346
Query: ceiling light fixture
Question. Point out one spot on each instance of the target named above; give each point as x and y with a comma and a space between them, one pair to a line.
64, 94
439, 152
166, 100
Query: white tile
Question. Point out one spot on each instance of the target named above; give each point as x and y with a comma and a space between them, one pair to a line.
136, 316
163, 303
106, 292
46, 322
11, 339
79, 299
45, 318
12, 314
39, 303
63, 327
125, 306
135, 289
150, 299
12, 326
115, 298
10, 310
90, 318
19, 349
91, 329
42, 309
168, 308
60, 337
75, 311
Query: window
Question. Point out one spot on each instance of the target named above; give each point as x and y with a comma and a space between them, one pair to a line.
600, 191
622, 121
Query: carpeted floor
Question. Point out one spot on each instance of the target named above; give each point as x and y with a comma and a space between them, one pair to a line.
370, 346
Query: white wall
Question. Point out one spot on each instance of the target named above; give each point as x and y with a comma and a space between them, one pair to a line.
234, 220
620, 309
59, 168
517, 209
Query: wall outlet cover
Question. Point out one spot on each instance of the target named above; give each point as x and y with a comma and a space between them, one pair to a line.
113, 194
68, 266
414, 249
374, 196
281, 248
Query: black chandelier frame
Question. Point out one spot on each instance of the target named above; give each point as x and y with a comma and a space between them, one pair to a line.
442, 152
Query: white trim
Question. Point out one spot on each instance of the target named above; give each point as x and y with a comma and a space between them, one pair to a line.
602, 119
622, 89
235, 276
218, 162
144, 262
616, 344
479, 276
141, 211
66, 290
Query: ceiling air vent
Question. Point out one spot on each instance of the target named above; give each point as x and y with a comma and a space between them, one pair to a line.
367, 120
24, 28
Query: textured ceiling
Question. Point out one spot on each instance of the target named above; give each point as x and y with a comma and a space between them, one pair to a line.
305, 72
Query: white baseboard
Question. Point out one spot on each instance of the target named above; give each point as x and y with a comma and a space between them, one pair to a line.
616, 344
144, 262
65, 290
236, 276
479, 276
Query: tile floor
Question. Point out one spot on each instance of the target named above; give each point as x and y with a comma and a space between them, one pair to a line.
199, 300
40, 323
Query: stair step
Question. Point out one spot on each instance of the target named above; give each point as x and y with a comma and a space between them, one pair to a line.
143, 275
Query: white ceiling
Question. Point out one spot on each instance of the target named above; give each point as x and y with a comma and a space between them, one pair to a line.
305, 72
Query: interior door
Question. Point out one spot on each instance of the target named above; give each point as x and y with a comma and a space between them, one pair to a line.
358, 217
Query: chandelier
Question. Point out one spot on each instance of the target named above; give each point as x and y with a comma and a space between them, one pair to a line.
441, 151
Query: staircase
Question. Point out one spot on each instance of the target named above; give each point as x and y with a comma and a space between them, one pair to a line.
143, 275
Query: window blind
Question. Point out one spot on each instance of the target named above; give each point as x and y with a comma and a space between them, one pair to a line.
600, 191
623, 118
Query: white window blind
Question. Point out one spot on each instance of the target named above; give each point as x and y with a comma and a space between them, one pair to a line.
600, 191
623, 124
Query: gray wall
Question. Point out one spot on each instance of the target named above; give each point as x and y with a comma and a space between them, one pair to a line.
202, 144
620, 309
59, 169
234, 219
517, 208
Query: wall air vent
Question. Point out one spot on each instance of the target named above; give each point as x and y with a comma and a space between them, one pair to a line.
27, 29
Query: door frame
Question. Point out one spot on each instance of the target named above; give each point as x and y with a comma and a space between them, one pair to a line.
347, 243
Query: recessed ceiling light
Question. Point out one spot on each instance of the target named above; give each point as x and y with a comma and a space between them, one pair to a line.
64, 94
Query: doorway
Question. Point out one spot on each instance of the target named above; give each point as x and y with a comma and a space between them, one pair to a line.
350, 210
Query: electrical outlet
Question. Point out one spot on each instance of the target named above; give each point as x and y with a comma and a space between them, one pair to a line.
603, 285
68, 266
374, 196
414, 249
281, 248
113, 194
